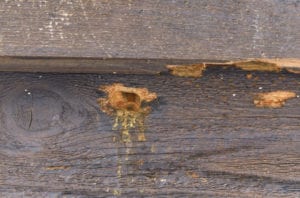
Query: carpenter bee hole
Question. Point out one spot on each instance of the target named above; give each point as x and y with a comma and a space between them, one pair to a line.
128, 106
132, 101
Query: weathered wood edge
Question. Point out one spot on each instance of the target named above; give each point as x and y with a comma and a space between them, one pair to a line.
117, 65
90, 65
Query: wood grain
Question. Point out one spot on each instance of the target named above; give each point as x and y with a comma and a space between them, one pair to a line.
204, 137
160, 29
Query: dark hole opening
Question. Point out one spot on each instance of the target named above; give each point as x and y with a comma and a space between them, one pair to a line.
131, 97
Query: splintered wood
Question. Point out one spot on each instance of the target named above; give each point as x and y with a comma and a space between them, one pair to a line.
263, 64
273, 99
257, 65
195, 70
125, 104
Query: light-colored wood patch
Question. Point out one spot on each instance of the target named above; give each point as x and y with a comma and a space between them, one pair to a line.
249, 76
263, 64
273, 99
192, 174
195, 70
51, 168
282, 62
257, 65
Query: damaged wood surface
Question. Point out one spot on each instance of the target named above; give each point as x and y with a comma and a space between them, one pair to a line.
195, 70
263, 64
274, 99
143, 29
204, 137
128, 105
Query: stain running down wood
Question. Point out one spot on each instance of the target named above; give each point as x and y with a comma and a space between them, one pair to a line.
127, 105
205, 138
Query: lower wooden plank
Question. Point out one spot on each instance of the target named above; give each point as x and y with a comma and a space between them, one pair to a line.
204, 137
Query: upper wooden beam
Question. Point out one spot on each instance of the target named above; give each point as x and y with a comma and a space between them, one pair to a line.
160, 29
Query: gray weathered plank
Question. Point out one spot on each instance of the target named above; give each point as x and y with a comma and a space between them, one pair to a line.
204, 138
159, 29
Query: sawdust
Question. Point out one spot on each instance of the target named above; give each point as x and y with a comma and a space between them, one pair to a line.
126, 104
192, 174
273, 99
249, 76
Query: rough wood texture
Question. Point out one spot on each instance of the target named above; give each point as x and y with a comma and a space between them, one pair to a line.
204, 138
172, 29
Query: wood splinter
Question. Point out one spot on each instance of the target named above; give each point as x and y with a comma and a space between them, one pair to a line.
126, 105
195, 70
273, 99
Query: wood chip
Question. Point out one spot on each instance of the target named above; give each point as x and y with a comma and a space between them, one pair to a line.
273, 99
195, 70
257, 65
249, 76
51, 168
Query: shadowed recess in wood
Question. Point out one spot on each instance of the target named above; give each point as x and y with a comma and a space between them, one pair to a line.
125, 104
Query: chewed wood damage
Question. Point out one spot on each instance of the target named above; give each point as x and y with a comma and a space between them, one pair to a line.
195, 70
256, 64
263, 64
128, 106
274, 99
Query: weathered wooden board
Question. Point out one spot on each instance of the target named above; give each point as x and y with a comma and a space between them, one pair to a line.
157, 29
204, 138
